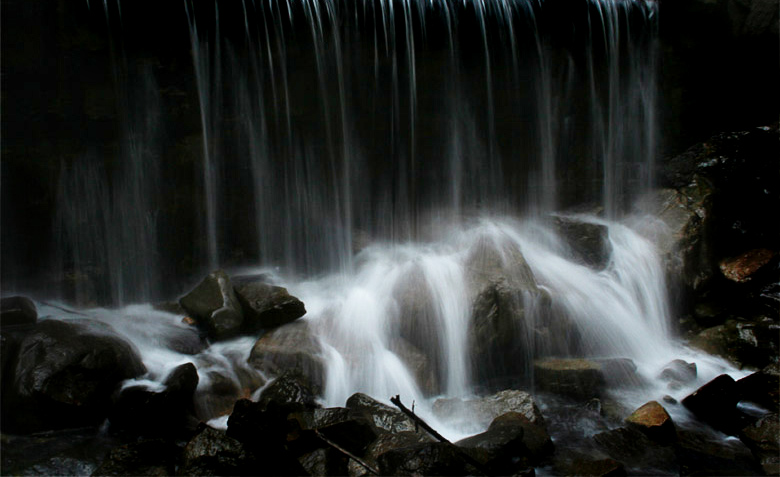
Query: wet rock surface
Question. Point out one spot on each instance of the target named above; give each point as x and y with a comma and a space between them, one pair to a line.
653, 421
589, 242
17, 311
65, 374
292, 347
265, 306
214, 306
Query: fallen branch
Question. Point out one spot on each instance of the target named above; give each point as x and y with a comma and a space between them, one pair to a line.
417, 420
347, 453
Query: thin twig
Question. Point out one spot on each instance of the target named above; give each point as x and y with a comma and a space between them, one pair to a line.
347, 453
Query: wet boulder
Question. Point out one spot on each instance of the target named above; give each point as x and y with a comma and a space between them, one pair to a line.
214, 306
169, 412
742, 268
653, 421
348, 429
265, 306
383, 416
588, 241
289, 348
385, 443
763, 439
211, 452
744, 343
591, 463
762, 387
435, 458
716, 403
17, 311
289, 392
325, 462
482, 411
65, 375
510, 443
575, 377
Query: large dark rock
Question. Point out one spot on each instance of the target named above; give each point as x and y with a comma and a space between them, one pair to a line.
65, 375
653, 421
151, 457
289, 392
763, 439
436, 458
383, 416
744, 343
349, 429
716, 403
708, 453
17, 311
325, 462
588, 242
211, 452
214, 306
169, 412
289, 348
265, 306
385, 443
762, 387
511, 443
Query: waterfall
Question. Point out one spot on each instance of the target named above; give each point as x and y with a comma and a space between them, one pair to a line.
404, 158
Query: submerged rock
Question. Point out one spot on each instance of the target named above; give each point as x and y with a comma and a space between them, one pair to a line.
65, 375
588, 242
678, 372
482, 411
214, 306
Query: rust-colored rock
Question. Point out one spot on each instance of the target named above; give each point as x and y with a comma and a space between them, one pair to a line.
741, 268
653, 420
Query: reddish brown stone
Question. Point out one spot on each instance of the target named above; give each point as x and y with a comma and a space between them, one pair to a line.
741, 268
653, 420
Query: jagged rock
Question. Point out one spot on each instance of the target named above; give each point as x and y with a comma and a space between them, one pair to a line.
383, 416
716, 403
292, 348
266, 306
211, 452
654, 422
741, 342
701, 453
169, 412
763, 439
679, 372
288, 392
589, 242
511, 443
214, 306
151, 457
435, 458
17, 311
351, 430
384, 443
762, 387
65, 375
482, 411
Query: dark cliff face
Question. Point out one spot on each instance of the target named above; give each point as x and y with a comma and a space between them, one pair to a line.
79, 80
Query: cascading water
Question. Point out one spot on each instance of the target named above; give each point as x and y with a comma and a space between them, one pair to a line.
412, 133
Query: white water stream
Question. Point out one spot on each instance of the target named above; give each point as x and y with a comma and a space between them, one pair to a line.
423, 293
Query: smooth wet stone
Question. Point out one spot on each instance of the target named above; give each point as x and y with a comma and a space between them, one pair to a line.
214, 306
17, 311
483, 410
679, 371
290, 348
265, 306
715, 403
576, 378
384, 417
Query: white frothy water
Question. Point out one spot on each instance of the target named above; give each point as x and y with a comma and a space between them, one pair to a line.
402, 323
